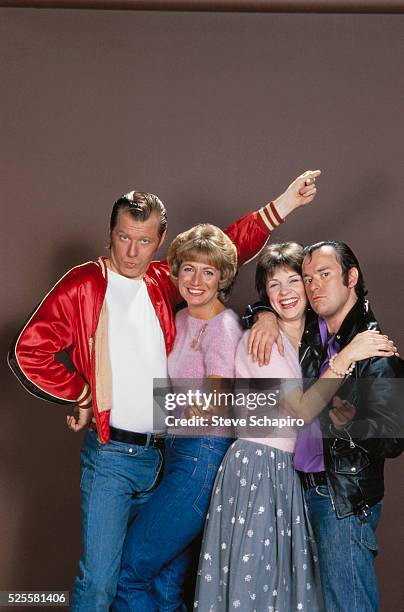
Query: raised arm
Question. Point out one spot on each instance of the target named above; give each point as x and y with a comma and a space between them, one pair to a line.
251, 232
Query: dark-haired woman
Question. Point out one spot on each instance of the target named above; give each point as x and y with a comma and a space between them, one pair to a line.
258, 552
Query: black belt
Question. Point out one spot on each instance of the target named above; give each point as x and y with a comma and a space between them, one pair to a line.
133, 437
313, 479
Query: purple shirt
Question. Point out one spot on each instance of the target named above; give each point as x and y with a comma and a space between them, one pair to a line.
309, 455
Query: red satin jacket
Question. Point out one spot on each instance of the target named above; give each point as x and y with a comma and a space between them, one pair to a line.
69, 319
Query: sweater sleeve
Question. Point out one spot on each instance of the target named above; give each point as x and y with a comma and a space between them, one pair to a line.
220, 344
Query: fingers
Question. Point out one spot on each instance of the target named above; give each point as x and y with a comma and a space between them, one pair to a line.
251, 339
307, 187
339, 418
337, 421
382, 341
383, 345
254, 343
383, 353
267, 352
195, 411
262, 337
308, 191
342, 412
308, 178
310, 174
372, 343
342, 405
75, 424
72, 424
337, 402
388, 345
280, 346
263, 346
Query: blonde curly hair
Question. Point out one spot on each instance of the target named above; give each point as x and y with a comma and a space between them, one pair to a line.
205, 241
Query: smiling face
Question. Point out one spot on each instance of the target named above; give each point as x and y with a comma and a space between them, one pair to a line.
134, 244
329, 296
198, 284
286, 294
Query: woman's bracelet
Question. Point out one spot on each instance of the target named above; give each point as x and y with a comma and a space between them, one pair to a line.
336, 371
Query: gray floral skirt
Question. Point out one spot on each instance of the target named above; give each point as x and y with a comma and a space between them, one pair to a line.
258, 551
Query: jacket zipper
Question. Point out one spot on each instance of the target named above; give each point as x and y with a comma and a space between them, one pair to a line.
304, 355
331, 495
351, 442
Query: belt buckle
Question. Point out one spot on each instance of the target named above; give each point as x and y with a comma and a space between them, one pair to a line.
312, 480
156, 441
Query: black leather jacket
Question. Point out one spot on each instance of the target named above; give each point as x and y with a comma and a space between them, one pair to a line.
354, 457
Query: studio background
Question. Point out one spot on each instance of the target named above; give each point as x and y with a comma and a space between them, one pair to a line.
216, 113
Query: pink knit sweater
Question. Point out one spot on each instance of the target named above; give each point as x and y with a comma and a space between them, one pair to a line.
204, 347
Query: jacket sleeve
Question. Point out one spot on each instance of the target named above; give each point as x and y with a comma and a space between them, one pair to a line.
49, 331
249, 317
379, 428
251, 232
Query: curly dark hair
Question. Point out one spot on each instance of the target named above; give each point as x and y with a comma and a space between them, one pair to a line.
273, 256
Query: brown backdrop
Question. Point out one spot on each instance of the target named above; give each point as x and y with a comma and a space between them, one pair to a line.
215, 113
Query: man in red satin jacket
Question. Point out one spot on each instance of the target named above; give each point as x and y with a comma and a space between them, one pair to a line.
115, 318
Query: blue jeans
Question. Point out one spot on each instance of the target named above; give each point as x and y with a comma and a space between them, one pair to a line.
347, 549
157, 549
116, 481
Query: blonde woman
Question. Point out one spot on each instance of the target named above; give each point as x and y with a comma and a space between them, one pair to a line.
203, 263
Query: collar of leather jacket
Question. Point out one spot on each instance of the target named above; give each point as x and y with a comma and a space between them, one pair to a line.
358, 319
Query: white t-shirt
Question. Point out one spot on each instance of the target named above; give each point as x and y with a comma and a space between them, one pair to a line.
137, 352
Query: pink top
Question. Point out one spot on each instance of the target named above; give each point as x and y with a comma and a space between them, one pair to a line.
278, 367
204, 347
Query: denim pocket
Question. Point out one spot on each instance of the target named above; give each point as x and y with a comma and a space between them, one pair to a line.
88, 466
368, 537
88, 460
120, 448
368, 527
323, 491
86, 478
158, 473
185, 447
83, 472
217, 447
182, 457
201, 503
